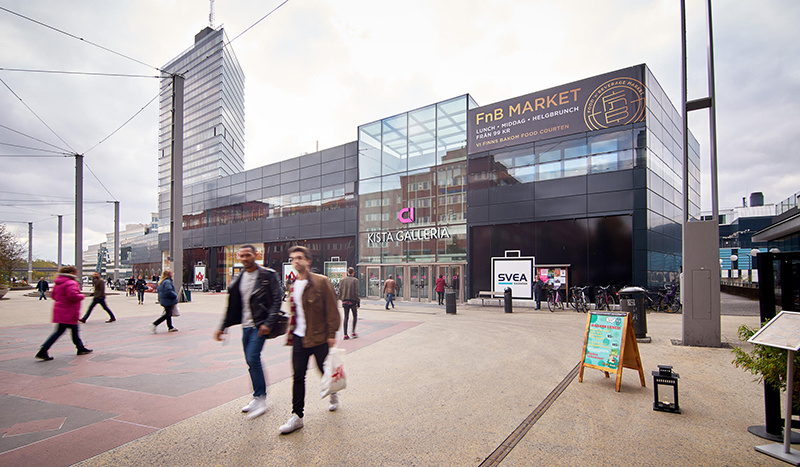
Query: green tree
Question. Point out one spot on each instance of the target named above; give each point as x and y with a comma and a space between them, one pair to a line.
11, 252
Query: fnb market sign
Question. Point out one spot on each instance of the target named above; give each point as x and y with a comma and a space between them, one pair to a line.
432, 233
604, 101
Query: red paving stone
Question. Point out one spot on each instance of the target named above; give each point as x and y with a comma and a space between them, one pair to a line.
133, 384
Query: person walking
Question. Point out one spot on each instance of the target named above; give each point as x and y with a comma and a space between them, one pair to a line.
140, 287
168, 299
440, 285
537, 292
42, 286
131, 286
98, 298
348, 294
254, 301
312, 329
389, 288
67, 296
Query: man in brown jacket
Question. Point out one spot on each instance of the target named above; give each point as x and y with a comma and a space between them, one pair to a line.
312, 330
98, 298
389, 288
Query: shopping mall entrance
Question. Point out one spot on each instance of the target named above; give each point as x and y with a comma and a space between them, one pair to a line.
415, 282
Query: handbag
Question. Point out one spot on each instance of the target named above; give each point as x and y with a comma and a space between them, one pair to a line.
333, 378
175, 311
280, 327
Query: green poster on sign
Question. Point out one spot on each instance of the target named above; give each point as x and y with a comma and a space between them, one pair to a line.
604, 340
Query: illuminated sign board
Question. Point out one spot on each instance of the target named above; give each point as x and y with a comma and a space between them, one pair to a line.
604, 101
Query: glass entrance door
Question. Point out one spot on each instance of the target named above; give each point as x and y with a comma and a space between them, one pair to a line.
373, 282
452, 277
419, 281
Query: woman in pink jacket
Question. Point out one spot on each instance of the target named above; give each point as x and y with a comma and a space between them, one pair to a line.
67, 295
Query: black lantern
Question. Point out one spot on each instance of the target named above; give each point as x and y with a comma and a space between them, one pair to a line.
665, 377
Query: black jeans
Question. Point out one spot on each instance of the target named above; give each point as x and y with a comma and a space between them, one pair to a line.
167, 316
347, 309
140, 293
441, 298
102, 302
300, 357
60, 328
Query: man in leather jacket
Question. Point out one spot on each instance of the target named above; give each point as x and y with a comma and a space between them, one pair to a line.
254, 300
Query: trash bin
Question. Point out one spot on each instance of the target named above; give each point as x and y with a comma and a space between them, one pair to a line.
187, 295
507, 299
450, 302
631, 300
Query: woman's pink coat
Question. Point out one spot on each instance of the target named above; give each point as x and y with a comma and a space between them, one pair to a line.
67, 295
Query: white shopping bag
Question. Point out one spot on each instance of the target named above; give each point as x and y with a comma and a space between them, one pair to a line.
333, 380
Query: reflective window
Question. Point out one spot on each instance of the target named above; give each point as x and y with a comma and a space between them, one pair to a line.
451, 130
575, 167
549, 171
369, 150
395, 140
421, 139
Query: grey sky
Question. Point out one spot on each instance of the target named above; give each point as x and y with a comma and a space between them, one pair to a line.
315, 70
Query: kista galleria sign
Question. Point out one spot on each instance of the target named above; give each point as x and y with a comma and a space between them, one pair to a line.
406, 216
604, 101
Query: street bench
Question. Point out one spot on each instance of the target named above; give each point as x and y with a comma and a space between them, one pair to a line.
490, 295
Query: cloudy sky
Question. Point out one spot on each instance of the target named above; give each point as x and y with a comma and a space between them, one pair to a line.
316, 69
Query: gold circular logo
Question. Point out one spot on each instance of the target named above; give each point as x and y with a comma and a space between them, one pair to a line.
618, 101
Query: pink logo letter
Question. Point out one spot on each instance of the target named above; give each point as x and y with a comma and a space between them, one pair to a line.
406, 220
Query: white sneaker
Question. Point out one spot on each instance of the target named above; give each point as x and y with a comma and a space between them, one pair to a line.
153, 328
334, 402
259, 409
250, 406
294, 423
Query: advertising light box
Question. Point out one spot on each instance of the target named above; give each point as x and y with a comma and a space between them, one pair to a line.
604, 101
514, 272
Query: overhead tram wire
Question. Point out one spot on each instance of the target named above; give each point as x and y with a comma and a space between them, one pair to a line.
98, 180
85, 73
120, 127
253, 25
33, 149
82, 39
35, 139
33, 156
34, 113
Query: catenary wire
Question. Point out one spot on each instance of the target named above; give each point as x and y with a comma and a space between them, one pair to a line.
126, 122
98, 180
33, 149
86, 73
33, 156
31, 137
34, 113
253, 25
79, 38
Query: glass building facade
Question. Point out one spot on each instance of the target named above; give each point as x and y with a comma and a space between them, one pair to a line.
412, 200
213, 138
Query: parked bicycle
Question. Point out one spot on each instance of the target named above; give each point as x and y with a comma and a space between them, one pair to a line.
665, 299
578, 299
604, 298
554, 300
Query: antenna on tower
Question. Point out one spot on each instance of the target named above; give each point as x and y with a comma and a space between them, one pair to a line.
211, 15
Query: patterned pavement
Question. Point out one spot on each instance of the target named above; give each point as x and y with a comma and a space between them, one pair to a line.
74, 407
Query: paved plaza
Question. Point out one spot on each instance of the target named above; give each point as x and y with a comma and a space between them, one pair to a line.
425, 388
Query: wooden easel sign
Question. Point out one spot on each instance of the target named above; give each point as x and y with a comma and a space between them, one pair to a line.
609, 345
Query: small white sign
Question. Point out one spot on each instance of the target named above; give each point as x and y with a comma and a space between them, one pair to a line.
199, 274
516, 273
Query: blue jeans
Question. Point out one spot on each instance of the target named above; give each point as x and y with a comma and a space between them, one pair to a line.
252, 354
389, 299
42, 295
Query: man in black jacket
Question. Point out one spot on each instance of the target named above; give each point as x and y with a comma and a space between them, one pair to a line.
254, 300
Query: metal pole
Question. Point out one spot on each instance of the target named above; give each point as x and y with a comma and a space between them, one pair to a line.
712, 118
79, 216
30, 252
60, 220
787, 429
684, 128
116, 241
176, 185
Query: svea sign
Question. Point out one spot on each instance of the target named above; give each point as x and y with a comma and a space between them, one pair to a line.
514, 272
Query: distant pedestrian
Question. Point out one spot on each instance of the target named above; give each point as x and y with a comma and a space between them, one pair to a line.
168, 299
348, 294
42, 286
440, 285
67, 296
98, 298
390, 288
140, 287
254, 301
537, 292
131, 286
